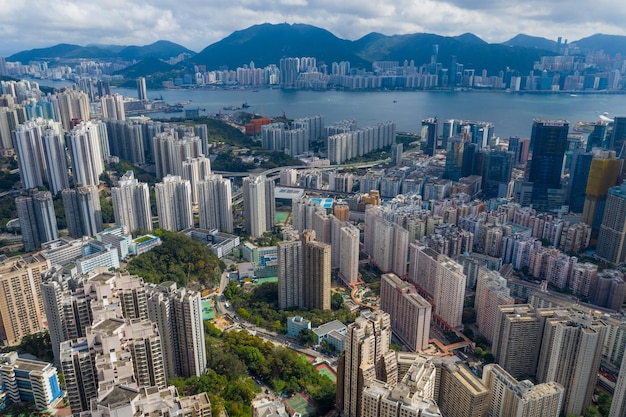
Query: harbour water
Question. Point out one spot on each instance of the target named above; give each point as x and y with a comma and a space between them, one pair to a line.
511, 113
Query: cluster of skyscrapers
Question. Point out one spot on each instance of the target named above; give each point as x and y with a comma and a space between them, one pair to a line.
112, 331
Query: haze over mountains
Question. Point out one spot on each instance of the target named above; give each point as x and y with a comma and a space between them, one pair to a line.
266, 44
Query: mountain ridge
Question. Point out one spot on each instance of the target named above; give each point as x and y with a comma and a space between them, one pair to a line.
267, 43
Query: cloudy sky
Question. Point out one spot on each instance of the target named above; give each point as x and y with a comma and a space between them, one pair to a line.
27, 24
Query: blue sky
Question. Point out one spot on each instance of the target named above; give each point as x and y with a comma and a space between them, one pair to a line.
28, 24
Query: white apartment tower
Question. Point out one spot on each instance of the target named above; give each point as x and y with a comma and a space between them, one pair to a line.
170, 152
349, 258
85, 148
570, 355
409, 312
491, 292
56, 160
173, 200
215, 203
29, 145
178, 314
196, 170
513, 398
131, 203
367, 345
113, 107
259, 205
72, 106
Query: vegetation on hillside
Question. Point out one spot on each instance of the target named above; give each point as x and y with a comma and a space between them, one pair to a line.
234, 356
260, 306
181, 259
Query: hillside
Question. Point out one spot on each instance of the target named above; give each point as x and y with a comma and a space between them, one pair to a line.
266, 44
160, 49
610, 44
527, 41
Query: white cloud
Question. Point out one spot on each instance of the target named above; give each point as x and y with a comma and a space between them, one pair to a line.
197, 23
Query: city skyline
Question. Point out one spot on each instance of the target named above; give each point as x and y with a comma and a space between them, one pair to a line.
186, 24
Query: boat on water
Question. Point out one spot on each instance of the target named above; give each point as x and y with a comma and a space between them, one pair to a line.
244, 105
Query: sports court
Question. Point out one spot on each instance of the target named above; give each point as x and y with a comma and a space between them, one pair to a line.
324, 369
207, 310
299, 404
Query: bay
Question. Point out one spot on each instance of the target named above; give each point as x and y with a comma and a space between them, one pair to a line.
511, 113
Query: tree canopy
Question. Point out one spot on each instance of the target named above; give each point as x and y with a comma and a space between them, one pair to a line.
179, 258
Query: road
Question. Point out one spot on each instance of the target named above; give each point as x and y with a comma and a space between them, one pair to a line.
278, 339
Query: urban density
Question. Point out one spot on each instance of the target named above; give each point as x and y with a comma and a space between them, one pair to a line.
172, 266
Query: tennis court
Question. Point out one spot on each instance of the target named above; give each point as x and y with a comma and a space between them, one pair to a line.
324, 369
281, 216
298, 404
207, 310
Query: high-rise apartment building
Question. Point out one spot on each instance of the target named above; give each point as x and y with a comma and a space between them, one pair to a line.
82, 211
142, 91
178, 314
349, 254
510, 397
259, 205
441, 278
618, 404
9, 119
79, 372
131, 203
570, 354
173, 200
612, 237
56, 160
496, 173
603, 174
21, 306
85, 147
367, 345
73, 107
316, 273
548, 142
491, 292
38, 222
409, 312
171, 150
618, 137
28, 143
461, 393
290, 274
113, 107
517, 339
578, 175
215, 203
196, 170
115, 352
430, 135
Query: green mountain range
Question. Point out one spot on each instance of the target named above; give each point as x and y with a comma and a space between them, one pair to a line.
159, 50
266, 44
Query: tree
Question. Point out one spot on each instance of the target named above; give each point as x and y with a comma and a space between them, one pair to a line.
336, 301
306, 337
604, 403
179, 258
